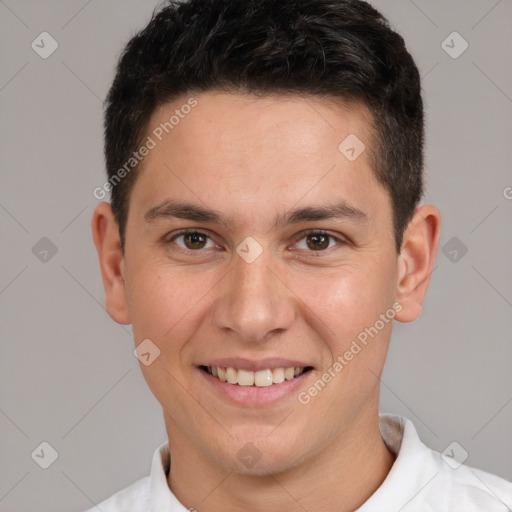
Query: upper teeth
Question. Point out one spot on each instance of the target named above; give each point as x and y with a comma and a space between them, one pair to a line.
260, 378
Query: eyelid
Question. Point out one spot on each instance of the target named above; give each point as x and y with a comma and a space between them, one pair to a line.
186, 231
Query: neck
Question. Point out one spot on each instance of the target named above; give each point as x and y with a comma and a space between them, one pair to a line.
341, 478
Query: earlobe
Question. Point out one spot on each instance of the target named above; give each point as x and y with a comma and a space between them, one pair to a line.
416, 261
105, 232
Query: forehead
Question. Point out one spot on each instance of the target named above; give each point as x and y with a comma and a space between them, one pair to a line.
248, 123
237, 151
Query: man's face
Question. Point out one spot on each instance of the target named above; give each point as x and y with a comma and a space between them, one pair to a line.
251, 293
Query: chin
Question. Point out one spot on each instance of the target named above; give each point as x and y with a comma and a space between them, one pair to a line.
261, 457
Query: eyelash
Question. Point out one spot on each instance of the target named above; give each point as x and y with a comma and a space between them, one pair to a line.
303, 234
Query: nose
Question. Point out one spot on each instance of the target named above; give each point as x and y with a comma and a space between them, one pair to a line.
254, 301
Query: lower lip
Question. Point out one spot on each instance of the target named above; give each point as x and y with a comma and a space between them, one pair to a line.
253, 396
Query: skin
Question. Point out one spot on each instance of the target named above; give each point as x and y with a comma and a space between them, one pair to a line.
252, 159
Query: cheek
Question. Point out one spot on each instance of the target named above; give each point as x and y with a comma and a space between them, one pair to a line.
164, 304
166, 308
347, 301
348, 306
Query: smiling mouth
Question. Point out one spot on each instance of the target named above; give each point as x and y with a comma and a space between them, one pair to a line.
260, 378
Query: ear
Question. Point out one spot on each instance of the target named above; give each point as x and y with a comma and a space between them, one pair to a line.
105, 232
416, 260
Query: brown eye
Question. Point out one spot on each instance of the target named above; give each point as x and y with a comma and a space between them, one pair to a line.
318, 241
192, 240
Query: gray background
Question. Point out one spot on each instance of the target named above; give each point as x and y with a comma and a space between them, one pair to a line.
67, 372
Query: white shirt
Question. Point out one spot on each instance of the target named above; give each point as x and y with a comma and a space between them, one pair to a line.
420, 480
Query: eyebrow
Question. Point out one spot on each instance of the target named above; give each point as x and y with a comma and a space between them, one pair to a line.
185, 210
